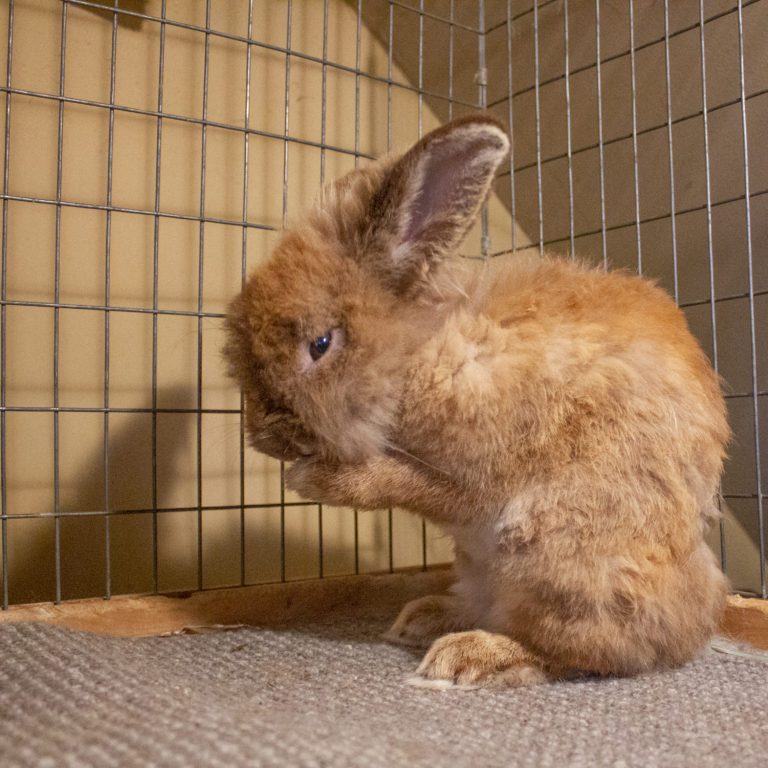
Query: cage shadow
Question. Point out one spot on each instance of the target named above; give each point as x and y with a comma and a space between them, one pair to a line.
130, 520
100, 542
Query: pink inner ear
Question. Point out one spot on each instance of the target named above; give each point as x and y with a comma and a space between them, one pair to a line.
453, 176
438, 194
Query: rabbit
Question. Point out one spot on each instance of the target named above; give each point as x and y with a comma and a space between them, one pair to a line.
559, 421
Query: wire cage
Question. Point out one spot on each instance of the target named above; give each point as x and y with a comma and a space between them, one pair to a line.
154, 149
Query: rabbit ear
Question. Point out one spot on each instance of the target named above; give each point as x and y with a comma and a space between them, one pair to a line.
430, 197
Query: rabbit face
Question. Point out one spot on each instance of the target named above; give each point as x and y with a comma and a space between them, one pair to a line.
297, 332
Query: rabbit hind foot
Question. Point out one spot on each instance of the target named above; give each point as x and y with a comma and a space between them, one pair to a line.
478, 659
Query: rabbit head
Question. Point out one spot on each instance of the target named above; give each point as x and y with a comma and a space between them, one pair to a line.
320, 336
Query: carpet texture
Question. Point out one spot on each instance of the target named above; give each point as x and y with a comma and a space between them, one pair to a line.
331, 693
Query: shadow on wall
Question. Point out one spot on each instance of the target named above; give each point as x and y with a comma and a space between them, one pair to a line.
111, 542
101, 535
124, 20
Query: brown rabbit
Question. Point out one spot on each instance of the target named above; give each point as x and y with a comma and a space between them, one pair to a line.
559, 422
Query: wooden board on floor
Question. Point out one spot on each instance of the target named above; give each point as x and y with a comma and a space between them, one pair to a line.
745, 620
261, 605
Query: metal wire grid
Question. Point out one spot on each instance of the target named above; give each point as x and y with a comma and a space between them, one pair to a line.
505, 105
206, 32
747, 198
601, 144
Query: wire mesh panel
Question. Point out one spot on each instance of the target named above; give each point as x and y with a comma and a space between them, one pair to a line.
637, 144
153, 150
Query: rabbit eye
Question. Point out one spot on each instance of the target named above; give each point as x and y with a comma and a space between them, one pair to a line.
320, 345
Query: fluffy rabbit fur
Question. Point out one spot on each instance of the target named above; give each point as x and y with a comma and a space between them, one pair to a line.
559, 422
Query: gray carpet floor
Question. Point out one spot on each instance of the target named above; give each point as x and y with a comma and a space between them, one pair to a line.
330, 693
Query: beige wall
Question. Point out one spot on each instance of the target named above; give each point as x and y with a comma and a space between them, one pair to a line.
81, 235
31, 247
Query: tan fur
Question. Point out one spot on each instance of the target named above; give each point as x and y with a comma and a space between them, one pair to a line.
561, 423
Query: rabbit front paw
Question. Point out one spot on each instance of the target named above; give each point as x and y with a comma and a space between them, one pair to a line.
368, 485
477, 659
422, 621
312, 478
